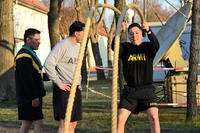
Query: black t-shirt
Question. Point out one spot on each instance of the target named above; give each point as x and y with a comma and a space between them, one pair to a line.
138, 61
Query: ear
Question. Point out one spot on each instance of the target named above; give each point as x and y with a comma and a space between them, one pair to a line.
27, 39
75, 33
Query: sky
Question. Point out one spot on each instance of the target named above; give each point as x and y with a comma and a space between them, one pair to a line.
173, 2
163, 2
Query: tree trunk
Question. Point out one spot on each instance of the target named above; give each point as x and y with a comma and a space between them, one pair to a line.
84, 69
53, 21
7, 80
95, 49
98, 60
193, 64
109, 49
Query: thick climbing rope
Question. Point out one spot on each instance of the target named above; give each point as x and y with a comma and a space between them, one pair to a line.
116, 61
79, 64
77, 74
115, 70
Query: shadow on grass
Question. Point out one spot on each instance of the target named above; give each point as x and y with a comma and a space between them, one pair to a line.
8, 104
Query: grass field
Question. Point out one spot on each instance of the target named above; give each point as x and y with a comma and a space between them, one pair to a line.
97, 114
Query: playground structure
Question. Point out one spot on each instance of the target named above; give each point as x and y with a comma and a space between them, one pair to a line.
115, 70
175, 66
166, 46
78, 68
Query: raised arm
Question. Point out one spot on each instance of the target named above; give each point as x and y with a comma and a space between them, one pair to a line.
153, 39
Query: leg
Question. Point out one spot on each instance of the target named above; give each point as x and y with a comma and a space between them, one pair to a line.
61, 126
72, 126
153, 117
122, 118
25, 126
38, 126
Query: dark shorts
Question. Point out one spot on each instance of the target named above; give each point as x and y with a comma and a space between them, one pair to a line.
138, 99
27, 112
60, 100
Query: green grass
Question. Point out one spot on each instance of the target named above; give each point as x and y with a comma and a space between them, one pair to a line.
97, 114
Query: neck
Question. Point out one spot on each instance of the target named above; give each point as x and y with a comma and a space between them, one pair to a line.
27, 46
73, 39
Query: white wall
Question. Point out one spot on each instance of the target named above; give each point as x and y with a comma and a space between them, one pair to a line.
103, 50
25, 18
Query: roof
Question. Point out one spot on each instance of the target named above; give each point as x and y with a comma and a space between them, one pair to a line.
34, 5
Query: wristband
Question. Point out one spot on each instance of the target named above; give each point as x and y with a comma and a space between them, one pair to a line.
149, 31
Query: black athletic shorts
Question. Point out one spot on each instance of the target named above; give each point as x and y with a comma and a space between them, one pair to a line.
60, 100
138, 99
27, 112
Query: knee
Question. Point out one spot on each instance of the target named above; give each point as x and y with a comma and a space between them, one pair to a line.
38, 124
123, 116
26, 123
153, 118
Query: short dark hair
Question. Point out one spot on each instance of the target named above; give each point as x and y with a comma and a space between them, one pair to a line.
76, 26
136, 25
30, 32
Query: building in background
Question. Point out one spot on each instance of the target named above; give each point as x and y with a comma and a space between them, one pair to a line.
34, 14
31, 14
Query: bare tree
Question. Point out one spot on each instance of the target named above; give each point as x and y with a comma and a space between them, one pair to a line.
193, 64
94, 40
110, 40
7, 81
67, 17
154, 11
